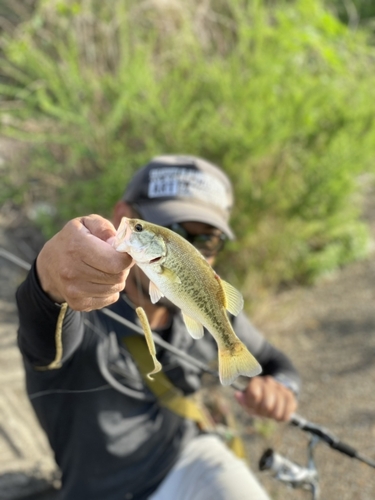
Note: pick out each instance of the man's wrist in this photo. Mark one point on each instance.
(45, 282)
(287, 382)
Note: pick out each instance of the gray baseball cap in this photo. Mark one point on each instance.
(173, 189)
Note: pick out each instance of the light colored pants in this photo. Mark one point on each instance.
(208, 470)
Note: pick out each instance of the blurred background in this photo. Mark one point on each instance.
(281, 94)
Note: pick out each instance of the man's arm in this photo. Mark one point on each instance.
(38, 324)
(77, 270)
(274, 393)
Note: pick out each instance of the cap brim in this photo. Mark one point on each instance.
(168, 212)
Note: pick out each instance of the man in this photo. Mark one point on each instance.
(112, 436)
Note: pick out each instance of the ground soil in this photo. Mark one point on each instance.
(328, 330)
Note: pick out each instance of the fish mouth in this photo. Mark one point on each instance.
(156, 259)
(121, 241)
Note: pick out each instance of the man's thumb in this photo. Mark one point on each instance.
(99, 227)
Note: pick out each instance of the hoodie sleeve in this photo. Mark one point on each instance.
(48, 333)
(273, 361)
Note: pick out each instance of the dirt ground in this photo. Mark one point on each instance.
(328, 330)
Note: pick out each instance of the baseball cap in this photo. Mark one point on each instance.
(177, 188)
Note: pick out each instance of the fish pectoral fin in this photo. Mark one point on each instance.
(155, 293)
(235, 362)
(233, 298)
(170, 275)
(193, 327)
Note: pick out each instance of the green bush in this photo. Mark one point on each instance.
(354, 12)
(280, 95)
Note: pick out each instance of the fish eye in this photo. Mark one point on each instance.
(138, 228)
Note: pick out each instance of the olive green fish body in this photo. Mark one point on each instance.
(179, 272)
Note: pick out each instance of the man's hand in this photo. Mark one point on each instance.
(80, 267)
(266, 397)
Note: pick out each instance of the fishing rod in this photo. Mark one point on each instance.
(16, 260)
(329, 438)
(162, 343)
(158, 340)
(296, 420)
(316, 431)
(306, 477)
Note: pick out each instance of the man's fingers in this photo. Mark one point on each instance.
(268, 404)
(98, 226)
(79, 267)
(266, 397)
(254, 392)
(90, 303)
(83, 289)
(86, 240)
(99, 277)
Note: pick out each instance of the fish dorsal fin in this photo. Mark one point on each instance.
(170, 275)
(193, 327)
(155, 293)
(233, 298)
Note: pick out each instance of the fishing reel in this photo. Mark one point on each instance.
(290, 472)
(307, 478)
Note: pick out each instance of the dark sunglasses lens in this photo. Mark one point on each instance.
(176, 228)
(208, 244)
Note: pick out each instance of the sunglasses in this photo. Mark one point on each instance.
(208, 244)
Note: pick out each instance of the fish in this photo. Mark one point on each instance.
(179, 272)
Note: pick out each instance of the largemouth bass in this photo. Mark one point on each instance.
(178, 271)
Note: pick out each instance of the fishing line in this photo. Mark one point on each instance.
(295, 420)
(157, 339)
(16, 260)
(107, 368)
(194, 363)
(114, 368)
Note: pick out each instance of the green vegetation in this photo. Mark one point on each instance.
(355, 12)
(280, 94)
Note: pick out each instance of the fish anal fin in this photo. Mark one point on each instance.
(233, 300)
(193, 327)
(155, 293)
(235, 362)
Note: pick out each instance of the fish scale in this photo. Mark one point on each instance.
(192, 289)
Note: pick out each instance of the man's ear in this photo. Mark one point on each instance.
(120, 210)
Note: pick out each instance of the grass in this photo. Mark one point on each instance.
(281, 95)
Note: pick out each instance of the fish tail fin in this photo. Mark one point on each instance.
(236, 361)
